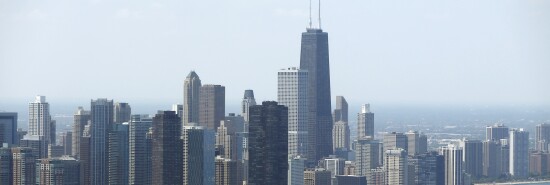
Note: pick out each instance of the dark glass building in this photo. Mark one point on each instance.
(211, 106)
(315, 58)
(102, 119)
(167, 149)
(268, 150)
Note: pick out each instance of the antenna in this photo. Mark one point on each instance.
(310, 22)
(319, 14)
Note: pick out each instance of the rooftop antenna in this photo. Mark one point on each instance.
(319, 14)
(310, 22)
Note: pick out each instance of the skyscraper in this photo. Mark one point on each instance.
(167, 145)
(8, 128)
(53, 129)
(248, 100)
(139, 149)
(519, 153)
(85, 156)
(118, 153)
(178, 108)
(341, 111)
(122, 112)
(473, 157)
(395, 140)
(491, 159)
(417, 143)
(496, 132)
(292, 93)
(101, 119)
(58, 171)
(426, 168)
(351, 180)
(314, 58)
(340, 136)
(396, 166)
(23, 166)
(268, 145)
(317, 176)
(40, 120)
(542, 136)
(226, 172)
(211, 106)
(453, 164)
(191, 94)
(367, 154)
(198, 155)
(6, 166)
(335, 165)
(296, 167)
(67, 142)
(81, 119)
(365, 122)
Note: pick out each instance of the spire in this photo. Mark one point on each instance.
(319, 14)
(311, 15)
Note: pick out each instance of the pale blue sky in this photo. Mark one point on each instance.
(482, 52)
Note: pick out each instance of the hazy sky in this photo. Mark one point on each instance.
(381, 51)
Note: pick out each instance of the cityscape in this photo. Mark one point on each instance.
(305, 135)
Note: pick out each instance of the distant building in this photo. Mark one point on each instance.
(248, 100)
(496, 132)
(341, 111)
(377, 177)
(211, 106)
(367, 154)
(417, 143)
(341, 136)
(36, 143)
(351, 180)
(139, 150)
(81, 119)
(396, 166)
(539, 163)
(23, 166)
(67, 143)
(317, 176)
(101, 119)
(542, 137)
(335, 165)
(198, 156)
(118, 153)
(178, 108)
(122, 112)
(268, 144)
(8, 128)
(85, 145)
(453, 164)
(40, 121)
(58, 171)
(492, 159)
(55, 151)
(519, 153)
(226, 172)
(365, 122)
(191, 94)
(473, 157)
(166, 144)
(296, 167)
(426, 169)
(6, 166)
(395, 140)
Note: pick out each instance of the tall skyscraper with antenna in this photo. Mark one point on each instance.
(315, 59)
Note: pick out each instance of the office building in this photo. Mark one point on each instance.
(101, 119)
(40, 121)
(6, 166)
(8, 128)
(317, 176)
(350, 180)
(122, 112)
(67, 142)
(226, 172)
(166, 143)
(496, 132)
(377, 177)
(453, 164)
(314, 57)
(178, 108)
(396, 140)
(365, 122)
(211, 106)
(341, 111)
(333, 164)
(396, 166)
(248, 100)
(519, 153)
(473, 157)
(341, 136)
(55, 151)
(367, 154)
(23, 166)
(542, 136)
(81, 119)
(198, 155)
(36, 143)
(268, 145)
(426, 169)
(296, 167)
(139, 150)
(492, 159)
(58, 171)
(417, 143)
(539, 163)
(191, 91)
(118, 153)
(293, 93)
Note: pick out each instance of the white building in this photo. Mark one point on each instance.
(396, 166)
(453, 164)
(40, 119)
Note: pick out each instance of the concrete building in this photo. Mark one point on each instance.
(542, 136)
(395, 140)
(211, 106)
(492, 159)
(453, 164)
(36, 143)
(496, 132)
(8, 128)
(191, 94)
(67, 142)
(377, 176)
(341, 136)
(396, 166)
(227, 172)
(139, 150)
(293, 93)
(248, 100)
(296, 167)
(365, 122)
(118, 153)
(268, 144)
(335, 165)
(317, 176)
(101, 119)
(6, 166)
(341, 111)
(539, 163)
(81, 119)
(23, 166)
(122, 112)
(367, 154)
(178, 108)
(426, 169)
(55, 151)
(40, 120)
(473, 157)
(166, 143)
(58, 171)
(417, 143)
(519, 153)
(85, 156)
(198, 156)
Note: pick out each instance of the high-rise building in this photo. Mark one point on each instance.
(122, 112)
(55, 151)
(81, 119)
(426, 169)
(492, 158)
(539, 163)
(40, 120)
(53, 129)
(367, 154)
(67, 142)
(340, 136)
(519, 153)
(227, 142)
(211, 106)
(8, 128)
(101, 119)
(6, 168)
(542, 136)
(198, 155)
(296, 167)
(191, 91)
(351, 180)
(453, 164)
(395, 140)
(365, 122)
(36, 143)
(139, 150)
(58, 171)
(505, 156)
(118, 153)
(167, 143)
(178, 108)
(85, 145)
(23, 166)
(396, 166)
(314, 58)
(473, 157)
(335, 165)
(248, 100)
(268, 144)
(226, 172)
(496, 132)
(417, 143)
(377, 177)
(341, 111)
(317, 176)
(293, 93)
